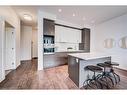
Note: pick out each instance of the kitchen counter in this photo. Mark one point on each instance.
(74, 51)
(89, 56)
(50, 53)
(78, 61)
(71, 51)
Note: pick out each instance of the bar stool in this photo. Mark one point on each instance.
(106, 75)
(116, 76)
(90, 82)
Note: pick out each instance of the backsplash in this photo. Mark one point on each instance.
(66, 47)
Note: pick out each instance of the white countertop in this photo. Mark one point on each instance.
(49, 53)
(67, 51)
(88, 56)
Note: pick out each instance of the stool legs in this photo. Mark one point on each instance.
(107, 79)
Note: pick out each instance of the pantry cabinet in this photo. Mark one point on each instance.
(49, 27)
(85, 40)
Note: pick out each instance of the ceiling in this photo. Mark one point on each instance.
(84, 15)
(30, 10)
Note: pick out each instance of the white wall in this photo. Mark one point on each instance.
(58, 21)
(26, 39)
(34, 43)
(14, 21)
(116, 29)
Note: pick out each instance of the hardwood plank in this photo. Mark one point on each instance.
(26, 76)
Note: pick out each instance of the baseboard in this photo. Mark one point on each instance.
(25, 60)
(120, 69)
(35, 58)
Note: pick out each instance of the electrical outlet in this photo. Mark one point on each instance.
(77, 60)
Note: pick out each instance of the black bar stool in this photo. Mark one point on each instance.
(106, 75)
(116, 76)
(90, 82)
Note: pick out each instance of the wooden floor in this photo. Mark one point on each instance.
(26, 76)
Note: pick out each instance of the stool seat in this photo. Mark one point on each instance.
(93, 68)
(111, 63)
(104, 65)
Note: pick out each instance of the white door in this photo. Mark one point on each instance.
(9, 64)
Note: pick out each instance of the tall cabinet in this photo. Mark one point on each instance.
(85, 40)
(49, 27)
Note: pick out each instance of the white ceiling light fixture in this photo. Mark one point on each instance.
(84, 18)
(92, 21)
(59, 10)
(73, 15)
(27, 17)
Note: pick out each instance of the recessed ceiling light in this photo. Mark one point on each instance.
(59, 10)
(73, 14)
(92, 21)
(84, 18)
(27, 17)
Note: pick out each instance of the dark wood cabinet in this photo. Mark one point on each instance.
(73, 69)
(53, 60)
(85, 41)
(49, 27)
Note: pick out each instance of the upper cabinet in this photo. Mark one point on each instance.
(49, 27)
(85, 35)
(68, 35)
(85, 40)
(78, 36)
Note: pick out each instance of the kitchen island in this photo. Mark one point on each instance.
(53, 59)
(78, 61)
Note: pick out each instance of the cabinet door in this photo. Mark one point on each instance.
(85, 35)
(57, 34)
(49, 27)
(78, 36)
(60, 34)
(65, 34)
(70, 35)
(86, 39)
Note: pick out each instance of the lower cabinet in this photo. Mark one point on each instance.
(73, 69)
(53, 60)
